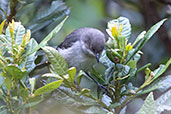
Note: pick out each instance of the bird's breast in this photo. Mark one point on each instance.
(75, 57)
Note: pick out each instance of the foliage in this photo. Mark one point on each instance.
(18, 92)
(17, 56)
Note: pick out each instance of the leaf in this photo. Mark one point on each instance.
(79, 76)
(29, 60)
(164, 99)
(149, 89)
(122, 42)
(140, 36)
(48, 37)
(126, 26)
(163, 108)
(2, 26)
(18, 33)
(144, 67)
(149, 106)
(165, 82)
(122, 70)
(32, 101)
(161, 69)
(32, 82)
(13, 72)
(160, 85)
(8, 83)
(132, 64)
(57, 61)
(52, 75)
(72, 73)
(105, 60)
(24, 93)
(115, 53)
(53, 13)
(147, 36)
(163, 102)
(82, 104)
(47, 88)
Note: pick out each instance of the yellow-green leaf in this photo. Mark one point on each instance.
(2, 26)
(49, 87)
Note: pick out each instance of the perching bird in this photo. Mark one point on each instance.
(81, 48)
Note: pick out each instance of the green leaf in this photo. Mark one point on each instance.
(57, 61)
(72, 72)
(115, 53)
(149, 106)
(48, 37)
(149, 89)
(147, 36)
(45, 18)
(8, 83)
(79, 76)
(49, 87)
(52, 75)
(32, 82)
(2, 26)
(140, 36)
(18, 33)
(144, 67)
(32, 101)
(24, 93)
(29, 60)
(132, 64)
(122, 42)
(122, 70)
(161, 69)
(13, 72)
(114, 105)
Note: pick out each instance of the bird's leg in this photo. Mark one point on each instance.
(103, 88)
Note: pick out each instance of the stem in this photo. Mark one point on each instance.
(13, 5)
(8, 102)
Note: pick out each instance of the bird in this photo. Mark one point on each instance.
(81, 49)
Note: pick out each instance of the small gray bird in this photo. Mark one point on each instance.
(82, 48)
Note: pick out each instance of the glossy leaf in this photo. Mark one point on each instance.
(57, 61)
(49, 87)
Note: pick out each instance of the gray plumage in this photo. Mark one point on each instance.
(82, 48)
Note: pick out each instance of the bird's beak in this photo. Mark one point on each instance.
(97, 57)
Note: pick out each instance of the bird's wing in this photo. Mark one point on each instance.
(69, 40)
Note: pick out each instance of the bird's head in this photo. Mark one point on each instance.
(93, 42)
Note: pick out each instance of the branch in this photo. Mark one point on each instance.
(13, 11)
